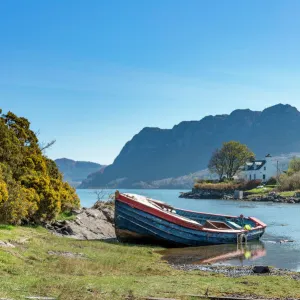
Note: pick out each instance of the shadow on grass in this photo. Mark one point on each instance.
(141, 244)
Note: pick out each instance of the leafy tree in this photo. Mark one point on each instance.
(294, 166)
(229, 159)
(31, 186)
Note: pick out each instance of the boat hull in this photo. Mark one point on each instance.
(134, 225)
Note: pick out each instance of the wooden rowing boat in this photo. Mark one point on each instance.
(142, 219)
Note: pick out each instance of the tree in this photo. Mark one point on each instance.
(216, 164)
(31, 186)
(46, 146)
(229, 159)
(236, 155)
(294, 166)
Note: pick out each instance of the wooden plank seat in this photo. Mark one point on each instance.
(216, 225)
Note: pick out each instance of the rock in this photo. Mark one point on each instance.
(66, 254)
(286, 241)
(76, 211)
(90, 223)
(261, 269)
(6, 245)
(208, 194)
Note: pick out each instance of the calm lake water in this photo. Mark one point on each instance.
(283, 222)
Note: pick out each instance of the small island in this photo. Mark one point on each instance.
(242, 177)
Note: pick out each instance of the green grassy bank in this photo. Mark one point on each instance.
(110, 271)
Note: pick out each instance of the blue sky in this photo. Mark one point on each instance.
(91, 74)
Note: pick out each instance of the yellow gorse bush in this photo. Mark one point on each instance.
(31, 186)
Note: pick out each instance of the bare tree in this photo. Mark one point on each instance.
(45, 146)
(216, 164)
(101, 194)
(104, 198)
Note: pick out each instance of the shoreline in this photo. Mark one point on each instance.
(248, 197)
(236, 271)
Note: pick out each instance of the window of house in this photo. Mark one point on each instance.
(250, 177)
(265, 168)
(264, 177)
(254, 176)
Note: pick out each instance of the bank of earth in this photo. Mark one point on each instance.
(257, 195)
(38, 262)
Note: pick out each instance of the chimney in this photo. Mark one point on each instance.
(268, 157)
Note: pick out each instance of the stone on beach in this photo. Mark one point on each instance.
(94, 223)
(261, 269)
(6, 244)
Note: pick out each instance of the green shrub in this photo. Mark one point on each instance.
(66, 215)
(6, 227)
(271, 181)
(294, 166)
(251, 184)
(289, 183)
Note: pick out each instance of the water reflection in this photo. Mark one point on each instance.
(215, 254)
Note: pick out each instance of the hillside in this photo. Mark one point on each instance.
(154, 154)
(76, 171)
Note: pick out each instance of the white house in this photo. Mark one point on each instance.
(259, 169)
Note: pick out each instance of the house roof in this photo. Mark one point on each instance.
(254, 165)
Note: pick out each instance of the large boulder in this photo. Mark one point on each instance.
(96, 223)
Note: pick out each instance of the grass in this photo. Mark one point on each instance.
(267, 189)
(65, 216)
(111, 271)
(220, 186)
(6, 227)
(260, 191)
(288, 193)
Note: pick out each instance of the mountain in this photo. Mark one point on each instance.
(76, 171)
(181, 182)
(154, 154)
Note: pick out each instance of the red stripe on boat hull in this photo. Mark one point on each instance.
(158, 213)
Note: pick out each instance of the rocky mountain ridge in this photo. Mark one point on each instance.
(155, 154)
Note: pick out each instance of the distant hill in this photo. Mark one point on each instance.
(186, 181)
(181, 182)
(156, 154)
(76, 171)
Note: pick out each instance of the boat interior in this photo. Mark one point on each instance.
(204, 220)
